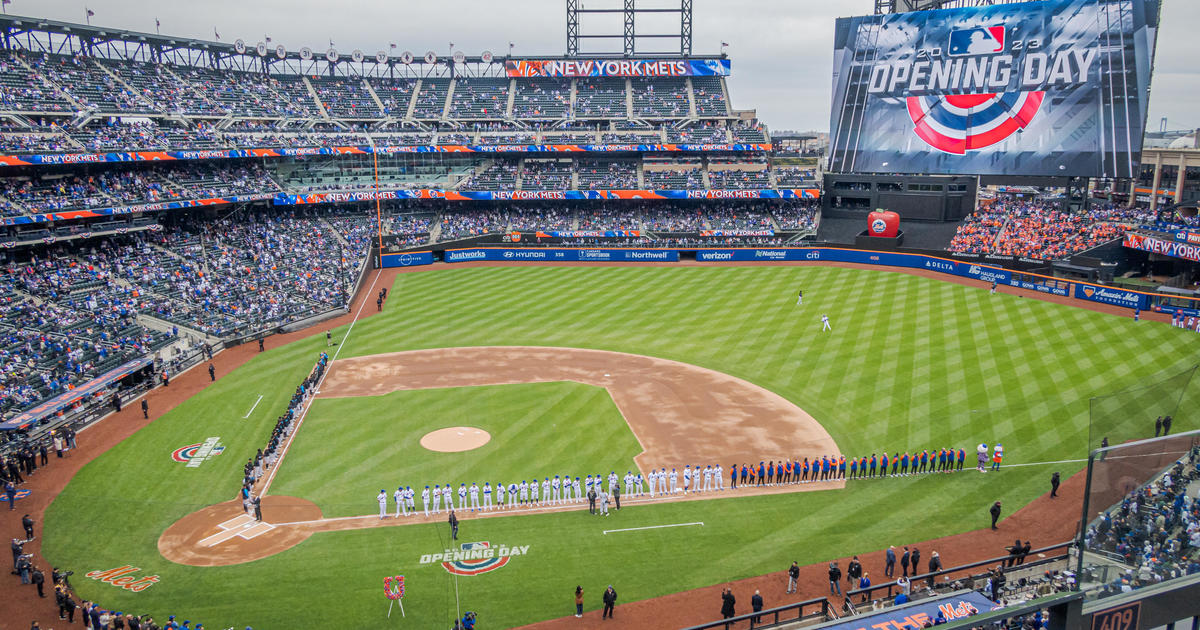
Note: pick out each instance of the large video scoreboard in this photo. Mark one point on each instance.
(1028, 88)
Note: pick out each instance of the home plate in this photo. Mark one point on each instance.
(243, 526)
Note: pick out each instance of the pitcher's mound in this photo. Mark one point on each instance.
(455, 439)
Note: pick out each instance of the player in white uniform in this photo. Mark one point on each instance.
(425, 500)
(557, 486)
(687, 480)
(708, 473)
(382, 504)
(447, 497)
(576, 486)
(487, 496)
(674, 481)
(524, 492)
(719, 477)
(462, 496)
(437, 498)
(399, 496)
(602, 501)
(410, 500)
(825, 323)
(512, 495)
(638, 488)
(628, 483)
(474, 496)
(546, 491)
(533, 492)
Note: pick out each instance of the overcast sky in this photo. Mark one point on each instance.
(781, 49)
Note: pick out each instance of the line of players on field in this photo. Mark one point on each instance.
(562, 490)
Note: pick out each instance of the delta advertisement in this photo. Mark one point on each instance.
(1154, 245)
(1056, 88)
(569, 68)
(167, 156)
(284, 199)
(982, 273)
(562, 255)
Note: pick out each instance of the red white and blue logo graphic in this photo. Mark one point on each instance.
(481, 560)
(984, 40)
(957, 123)
(195, 454)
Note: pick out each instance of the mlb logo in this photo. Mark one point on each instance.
(985, 40)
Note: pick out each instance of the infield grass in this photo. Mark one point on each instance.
(911, 363)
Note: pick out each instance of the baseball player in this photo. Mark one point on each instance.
(557, 486)
(533, 492)
(525, 492)
(410, 500)
(513, 488)
(487, 496)
(825, 323)
(437, 498)
(674, 481)
(576, 486)
(447, 497)
(628, 483)
(474, 496)
(718, 477)
(638, 488)
(425, 500)
(566, 488)
(462, 496)
(382, 504)
(546, 490)
(602, 500)
(662, 480)
(399, 496)
(708, 473)
(653, 479)
(587, 484)
(687, 479)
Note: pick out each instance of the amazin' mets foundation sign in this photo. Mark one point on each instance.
(475, 558)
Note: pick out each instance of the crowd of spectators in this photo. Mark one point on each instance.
(1040, 229)
(1154, 531)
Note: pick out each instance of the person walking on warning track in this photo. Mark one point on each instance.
(727, 602)
(995, 511)
(212, 373)
(1055, 479)
(825, 323)
(453, 525)
(610, 600)
(793, 574)
(835, 579)
(145, 410)
(578, 601)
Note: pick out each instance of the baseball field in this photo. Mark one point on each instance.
(587, 370)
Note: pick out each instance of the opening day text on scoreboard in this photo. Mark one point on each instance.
(1054, 88)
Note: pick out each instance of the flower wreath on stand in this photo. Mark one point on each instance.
(393, 587)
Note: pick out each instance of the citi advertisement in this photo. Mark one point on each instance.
(562, 255)
(1054, 88)
(407, 259)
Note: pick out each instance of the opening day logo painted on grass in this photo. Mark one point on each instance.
(475, 558)
(121, 577)
(195, 454)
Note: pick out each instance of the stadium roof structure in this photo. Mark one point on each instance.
(66, 38)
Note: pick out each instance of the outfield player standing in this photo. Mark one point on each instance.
(425, 500)
(576, 486)
(462, 496)
(474, 496)
(382, 504)
(447, 497)
(546, 490)
(800, 297)
(525, 492)
(556, 485)
(825, 323)
(674, 481)
(708, 478)
(687, 479)
(437, 498)
(487, 497)
(399, 496)
(410, 500)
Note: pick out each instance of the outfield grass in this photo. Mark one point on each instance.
(911, 363)
(537, 430)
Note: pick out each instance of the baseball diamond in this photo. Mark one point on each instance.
(589, 340)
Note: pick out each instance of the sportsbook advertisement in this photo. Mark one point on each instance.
(1054, 88)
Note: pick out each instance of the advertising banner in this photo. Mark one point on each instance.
(1155, 245)
(952, 607)
(284, 199)
(407, 259)
(1054, 88)
(213, 154)
(1107, 295)
(562, 255)
(141, 207)
(567, 68)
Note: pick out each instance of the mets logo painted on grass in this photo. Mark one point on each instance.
(475, 558)
(195, 454)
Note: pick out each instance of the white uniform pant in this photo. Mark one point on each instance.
(487, 500)
(474, 502)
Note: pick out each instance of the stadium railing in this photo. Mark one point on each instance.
(891, 588)
(812, 610)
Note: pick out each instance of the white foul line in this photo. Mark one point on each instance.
(253, 408)
(634, 529)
